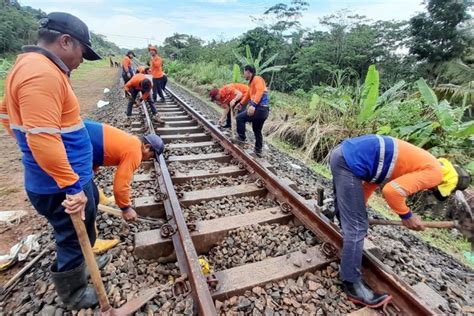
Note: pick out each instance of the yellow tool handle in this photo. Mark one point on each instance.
(90, 261)
(430, 224)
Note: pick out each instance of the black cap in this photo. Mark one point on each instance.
(130, 52)
(69, 24)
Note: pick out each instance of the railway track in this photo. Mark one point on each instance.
(208, 189)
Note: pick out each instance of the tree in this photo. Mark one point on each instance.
(435, 34)
(284, 17)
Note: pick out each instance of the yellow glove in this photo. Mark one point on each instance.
(103, 199)
(102, 245)
(205, 269)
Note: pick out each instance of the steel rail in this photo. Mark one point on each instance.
(375, 273)
(185, 252)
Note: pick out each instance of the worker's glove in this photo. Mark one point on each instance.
(413, 223)
(129, 214)
(128, 94)
(75, 203)
(221, 120)
(129, 75)
(232, 103)
(250, 110)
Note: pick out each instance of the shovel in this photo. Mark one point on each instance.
(105, 308)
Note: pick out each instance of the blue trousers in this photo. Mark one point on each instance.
(350, 209)
(134, 93)
(258, 119)
(69, 254)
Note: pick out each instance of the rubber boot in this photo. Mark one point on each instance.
(359, 293)
(73, 289)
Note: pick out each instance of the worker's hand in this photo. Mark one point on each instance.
(221, 120)
(129, 215)
(232, 103)
(413, 223)
(237, 107)
(250, 110)
(128, 94)
(75, 203)
(129, 75)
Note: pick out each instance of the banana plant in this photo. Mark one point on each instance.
(260, 67)
(236, 73)
(370, 94)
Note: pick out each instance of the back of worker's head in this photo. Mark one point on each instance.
(131, 54)
(455, 178)
(145, 85)
(213, 94)
(152, 146)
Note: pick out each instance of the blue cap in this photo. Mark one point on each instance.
(156, 142)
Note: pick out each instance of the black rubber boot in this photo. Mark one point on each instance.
(359, 293)
(73, 289)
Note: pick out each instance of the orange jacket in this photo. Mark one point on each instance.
(42, 111)
(127, 64)
(257, 92)
(114, 147)
(415, 170)
(134, 83)
(229, 92)
(157, 67)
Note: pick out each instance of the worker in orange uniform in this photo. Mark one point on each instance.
(127, 66)
(359, 166)
(156, 65)
(228, 96)
(114, 147)
(143, 70)
(257, 101)
(140, 83)
(42, 112)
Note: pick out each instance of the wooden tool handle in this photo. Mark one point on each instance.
(90, 261)
(431, 224)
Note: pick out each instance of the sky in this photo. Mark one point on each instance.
(135, 24)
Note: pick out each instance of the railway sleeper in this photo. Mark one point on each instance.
(237, 280)
(175, 118)
(231, 171)
(150, 244)
(180, 130)
(196, 197)
(219, 157)
(192, 137)
(192, 145)
(183, 123)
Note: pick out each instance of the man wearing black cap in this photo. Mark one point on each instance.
(127, 69)
(42, 112)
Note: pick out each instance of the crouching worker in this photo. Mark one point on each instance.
(228, 96)
(140, 83)
(114, 147)
(362, 164)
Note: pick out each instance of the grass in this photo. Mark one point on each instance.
(84, 70)
(2, 82)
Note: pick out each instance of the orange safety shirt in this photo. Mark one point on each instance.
(114, 147)
(135, 83)
(42, 112)
(410, 169)
(257, 93)
(157, 67)
(127, 64)
(229, 92)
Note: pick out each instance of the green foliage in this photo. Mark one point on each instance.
(369, 96)
(236, 73)
(435, 34)
(260, 67)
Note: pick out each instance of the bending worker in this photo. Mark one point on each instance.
(43, 113)
(257, 109)
(114, 147)
(359, 166)
(228, 96)
(140, 83)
